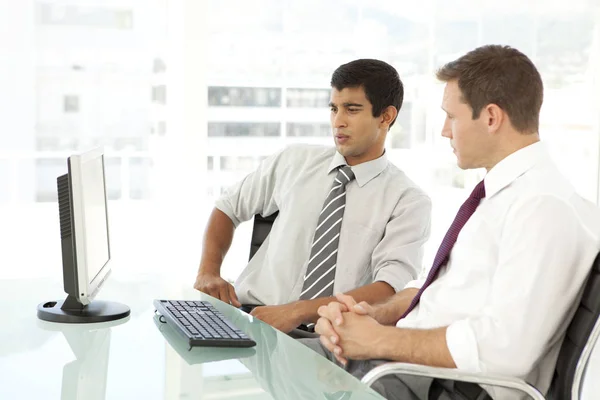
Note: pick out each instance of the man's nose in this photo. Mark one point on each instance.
(447, 130)
(339, 120)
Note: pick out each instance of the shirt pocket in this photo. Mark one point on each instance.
(355, 249)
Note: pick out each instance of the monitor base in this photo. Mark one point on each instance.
(96, 311)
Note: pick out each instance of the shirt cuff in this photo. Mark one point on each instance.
(415, 284)
(462, 344)
(394, 275)
(223, 205)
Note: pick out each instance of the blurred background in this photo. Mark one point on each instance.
(186, 97)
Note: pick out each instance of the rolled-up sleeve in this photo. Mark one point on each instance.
(415, 283)
(397, 258)
(541, 269)
(255, 194)
(462, 344)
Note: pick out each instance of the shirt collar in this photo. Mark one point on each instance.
(512, 167)
(364, 172)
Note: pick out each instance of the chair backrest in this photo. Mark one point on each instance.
(260, 231)
(580, 339)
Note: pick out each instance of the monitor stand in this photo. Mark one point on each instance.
(72, 311)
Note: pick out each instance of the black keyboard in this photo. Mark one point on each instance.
(202, 324)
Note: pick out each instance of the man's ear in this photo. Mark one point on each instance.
(388, 116)
(494, 117)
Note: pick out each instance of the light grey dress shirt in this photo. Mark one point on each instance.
(386, 223)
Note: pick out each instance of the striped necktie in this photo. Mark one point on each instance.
(320, 273)
(441, 258)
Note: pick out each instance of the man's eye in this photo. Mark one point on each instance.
(333, 109)
(353, 110)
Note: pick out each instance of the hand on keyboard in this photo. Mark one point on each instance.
(217, 287)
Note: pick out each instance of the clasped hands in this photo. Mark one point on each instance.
(348, 329)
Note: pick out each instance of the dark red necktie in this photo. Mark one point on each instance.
(441, 258)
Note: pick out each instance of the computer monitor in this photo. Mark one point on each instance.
(85, 244)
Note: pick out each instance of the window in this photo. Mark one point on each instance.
(244, 96)
(71, 104)
(228, 163)
(113, 169)
(57, 14)
(57, 143)
(47, 143)
(139, 179)
(159, 94)
(315, 98)
(123, 143)
(160, 128)
(244, 129)
(159, 65)
(237, 164)
(46, 172)
(308, 129)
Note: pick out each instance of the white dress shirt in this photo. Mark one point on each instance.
(385, 225)
(515, 273)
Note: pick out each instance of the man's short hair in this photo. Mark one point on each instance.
(379, 80)
(500, 75)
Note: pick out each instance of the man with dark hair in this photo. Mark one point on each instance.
(506, 278)
(349, 220)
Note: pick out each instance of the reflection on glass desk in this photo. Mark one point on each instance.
(199, 355)
(143, 358)
(85, 377)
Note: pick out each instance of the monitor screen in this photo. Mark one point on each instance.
(88, 214)
(97, 251)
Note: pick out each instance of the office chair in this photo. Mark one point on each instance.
(580, 339)
(260, 231)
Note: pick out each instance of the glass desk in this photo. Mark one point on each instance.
(142, 358)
